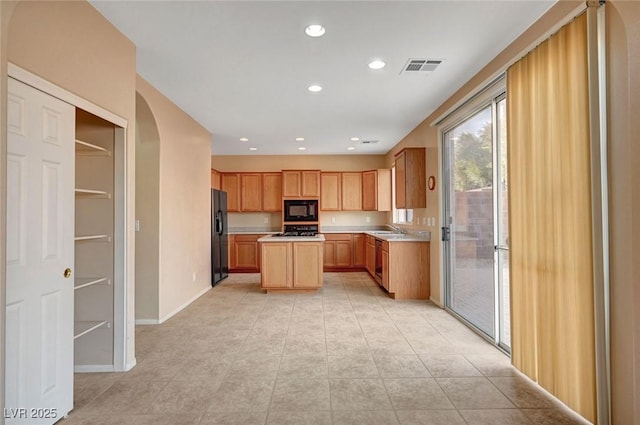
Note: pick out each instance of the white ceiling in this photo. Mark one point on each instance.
(241, 69)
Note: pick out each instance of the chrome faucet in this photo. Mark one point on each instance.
(397, 229)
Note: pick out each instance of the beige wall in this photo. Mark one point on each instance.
(147, 213)
(291, 162)
(71, 45)
(185, 203)
(623, 34)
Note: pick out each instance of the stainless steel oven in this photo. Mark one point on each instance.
(379, 261)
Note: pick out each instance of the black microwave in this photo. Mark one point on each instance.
(300, 210)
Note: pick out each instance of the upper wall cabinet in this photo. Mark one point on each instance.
(251, 192)
(411, 191)
(376, 190)
(230, 183)
(215, 179)
(301, 184)
(330, 191)
(271, 192)
(352, 191)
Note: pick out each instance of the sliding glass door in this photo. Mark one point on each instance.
(475, 214)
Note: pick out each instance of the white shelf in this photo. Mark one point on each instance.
(83, 328)
(86, 148)
(89, 281)
(90, 193)
(92, 238)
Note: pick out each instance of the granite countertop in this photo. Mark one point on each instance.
(260, 230)
(350, 229)
(401, 237)
(271, 238)
(237, 232)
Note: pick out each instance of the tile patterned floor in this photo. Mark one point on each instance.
(346, 355)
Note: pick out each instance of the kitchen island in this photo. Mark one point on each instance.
(291, 263)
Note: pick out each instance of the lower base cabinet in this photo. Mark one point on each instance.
(244, 256)
(405, 270)
(291, 266)
(370, 255)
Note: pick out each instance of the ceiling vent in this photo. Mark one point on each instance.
(420, 66)
(369, 142)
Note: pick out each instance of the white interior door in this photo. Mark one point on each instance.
(40, 247)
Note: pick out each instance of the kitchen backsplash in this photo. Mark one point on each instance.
(341, 219)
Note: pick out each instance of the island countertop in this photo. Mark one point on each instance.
(272, 238)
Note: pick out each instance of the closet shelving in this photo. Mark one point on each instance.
(90, 281)
(94, 231)
(84, 327)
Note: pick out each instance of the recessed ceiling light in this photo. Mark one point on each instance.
(377, 64)
(350, 148)
(314, 30)
(299, 139)
(253, 149)
(314, 88)
(244, 139)
(355, 139)
(302, 148)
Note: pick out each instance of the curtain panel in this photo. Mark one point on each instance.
(552, 299)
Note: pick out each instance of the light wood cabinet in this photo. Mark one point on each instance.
(310, 183)
(385, 269)
(376, 190)
(405, 269)
(359, 250)
(370, 252)
(230, 183)
(411, 190)
(338, 249)
(301, 184)
(330, 191)
(291, 265)
(271, 192)
(215, 179)
(352, 191)
(307, 265)
(250, 192)
(276, 271)
(244, 255)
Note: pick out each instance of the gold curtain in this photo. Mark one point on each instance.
(550, 218)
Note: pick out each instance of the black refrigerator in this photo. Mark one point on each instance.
(219, 239)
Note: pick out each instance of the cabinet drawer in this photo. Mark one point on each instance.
(246, 238)
(337, 236)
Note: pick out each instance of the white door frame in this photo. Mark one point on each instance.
(121, 236)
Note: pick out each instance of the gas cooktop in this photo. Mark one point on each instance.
(299, 230)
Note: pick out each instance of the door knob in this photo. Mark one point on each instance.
(67, 273)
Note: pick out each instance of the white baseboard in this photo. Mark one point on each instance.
(130, 365)
(436, 302)
(93, 368)
(147, 322)
(183, 306)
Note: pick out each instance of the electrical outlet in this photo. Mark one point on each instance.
(333, 220)
(367, 219)
(266, 220)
